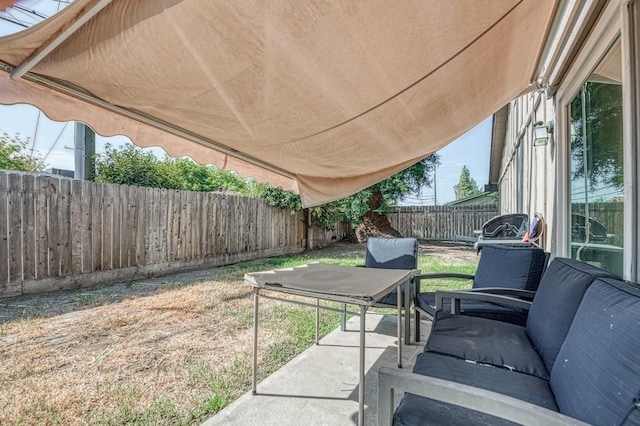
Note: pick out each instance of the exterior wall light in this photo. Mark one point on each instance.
(541, 133)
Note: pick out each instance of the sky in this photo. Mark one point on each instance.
(53, 140)
(472, 150)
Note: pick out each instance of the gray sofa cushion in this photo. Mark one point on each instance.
(556, 302)
(598, 369)
(486, 341)
(415, 410)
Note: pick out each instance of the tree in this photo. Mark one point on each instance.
(466, 186)
(601, 139)
(198, 177)
(14, 155)
(130, 165)
(366, 210)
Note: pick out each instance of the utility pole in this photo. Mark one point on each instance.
(435, 186)
(84, 150)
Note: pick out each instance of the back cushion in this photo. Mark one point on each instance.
(392, 253)
(598, 369)
(511, 267)
(556, 302)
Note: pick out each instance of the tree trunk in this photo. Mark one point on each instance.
(373, 224)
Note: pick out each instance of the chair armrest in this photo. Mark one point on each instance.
(513, 292)
(492, 403)
(457, 295)
(444, 275)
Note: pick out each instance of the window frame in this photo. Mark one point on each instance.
(617, 20)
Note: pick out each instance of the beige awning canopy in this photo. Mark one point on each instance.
(324, 98)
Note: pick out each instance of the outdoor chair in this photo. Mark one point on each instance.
(505, 270)
(393, 253)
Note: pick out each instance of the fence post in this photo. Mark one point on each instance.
(453, 224)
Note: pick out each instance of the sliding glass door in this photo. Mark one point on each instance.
(596, 167)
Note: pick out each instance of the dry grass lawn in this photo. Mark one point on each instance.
(174, 356)
(124, 356)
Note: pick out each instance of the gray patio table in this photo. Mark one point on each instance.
(344, 284)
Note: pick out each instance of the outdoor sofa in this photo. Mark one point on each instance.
(576, 361)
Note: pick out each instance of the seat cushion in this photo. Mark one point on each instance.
(556, 302)
(416, 410)
(427, 302)
(510, 267)
(597, 373)
(485, 341)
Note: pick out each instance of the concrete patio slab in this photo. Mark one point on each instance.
(320, 386)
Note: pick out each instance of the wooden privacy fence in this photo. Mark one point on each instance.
(441, 222)
(58, 233)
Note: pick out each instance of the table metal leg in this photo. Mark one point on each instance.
(399, 299)
(317, 321)
(255, 341)
(407, 314)
(361, 386)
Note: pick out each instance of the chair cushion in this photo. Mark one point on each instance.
(486, 341)
(556, 302)
(475, 308)
(510, 267)
(598, 369)
(392, 253)
(416, 410)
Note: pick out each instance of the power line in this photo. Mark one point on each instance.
(35, 133)
(56, 141)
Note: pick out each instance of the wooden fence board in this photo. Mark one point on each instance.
(64, 221)
(76, 227)
(53, 214)
(4, 236)
(14, 204)
(42, 227)
(164, 221)
(132, 225)
(141, 224)
(97, 213)
(87, 227)
(29, 224)
(116, 230)
(152, 226)
(203, 223)
(107, 227)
